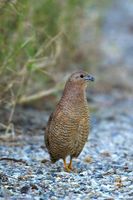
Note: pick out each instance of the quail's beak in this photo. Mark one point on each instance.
(89, 78)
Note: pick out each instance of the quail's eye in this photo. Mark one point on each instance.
(81, 76)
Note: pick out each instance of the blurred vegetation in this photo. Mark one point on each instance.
(37, 41)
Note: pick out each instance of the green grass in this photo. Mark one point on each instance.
(36, 38)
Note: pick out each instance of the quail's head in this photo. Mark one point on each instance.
(80, 78)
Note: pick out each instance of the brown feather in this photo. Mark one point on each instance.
(68, 126)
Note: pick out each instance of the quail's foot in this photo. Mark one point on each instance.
(70, 165)
(66, 167)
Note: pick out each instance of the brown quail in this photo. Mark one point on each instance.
(68, 126)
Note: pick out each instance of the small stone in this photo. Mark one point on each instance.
(88, 159)
(34, 187)
(98, 176)
(118, 182)
(3, 177)
(39, 171)
(105, 154)
(25, 189)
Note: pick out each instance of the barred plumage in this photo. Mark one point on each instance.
(68, 126)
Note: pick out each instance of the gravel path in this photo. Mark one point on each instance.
(104, 168)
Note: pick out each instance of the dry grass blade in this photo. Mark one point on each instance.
(39, 95)
(9, 129)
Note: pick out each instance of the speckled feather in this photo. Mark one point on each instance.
(68, 126)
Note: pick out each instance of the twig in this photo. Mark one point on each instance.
(49, 43)
(3, 126)
(9, 127)
(53, 39)
(13, 159)
(39, 95)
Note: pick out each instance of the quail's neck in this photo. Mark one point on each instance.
(74, 94)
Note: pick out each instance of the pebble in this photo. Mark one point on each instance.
(108, 176)
(25, 189)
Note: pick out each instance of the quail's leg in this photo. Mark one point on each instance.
(70, 164)
(66, 168)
